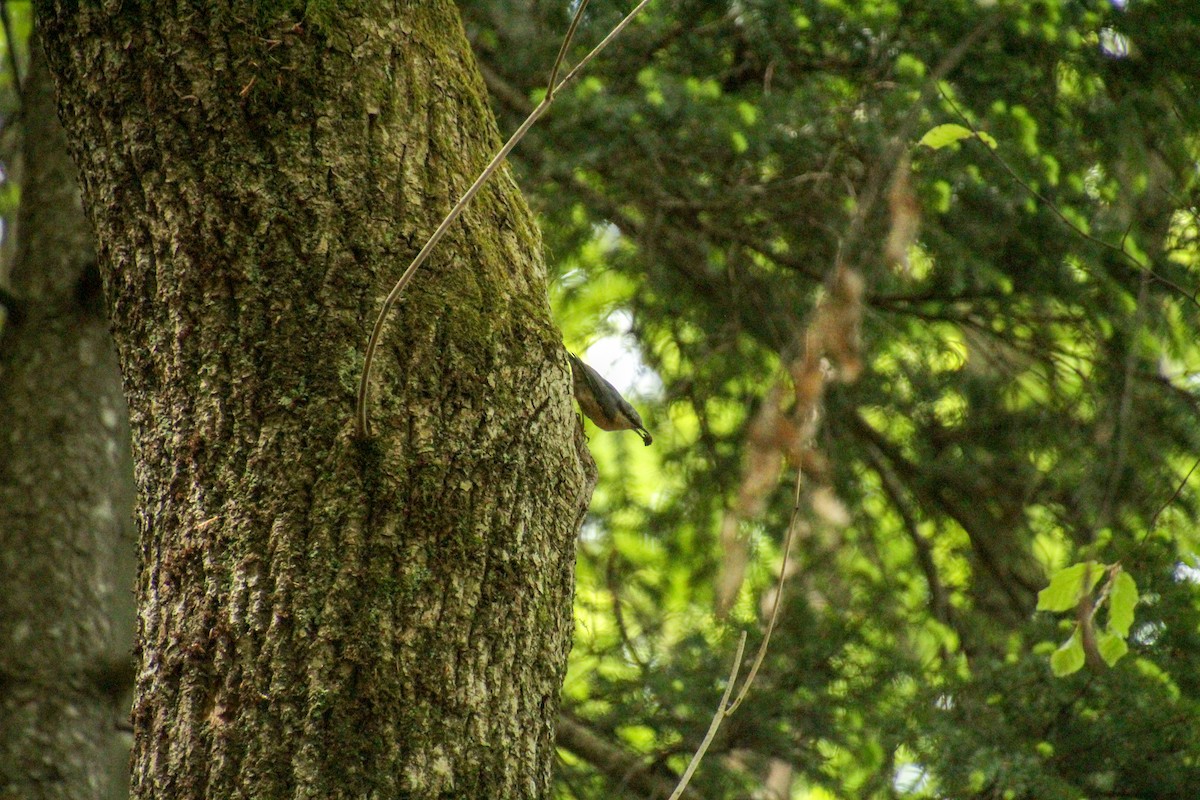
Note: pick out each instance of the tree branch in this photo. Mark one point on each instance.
(616, 763)
(1118, 249)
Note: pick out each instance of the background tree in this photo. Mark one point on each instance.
(322, 616)
(66, 488)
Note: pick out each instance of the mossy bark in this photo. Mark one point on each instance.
(66, 496)
(321, 616)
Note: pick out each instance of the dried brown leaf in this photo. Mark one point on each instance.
(905, 214)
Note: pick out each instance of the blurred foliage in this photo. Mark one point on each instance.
(17, 22)
(1029, 399)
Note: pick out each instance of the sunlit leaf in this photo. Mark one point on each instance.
(938, 137)
(942, 135)
(1068, 585)
(1121, 601)
(1111, 647)
(987, 139)
(1069, 657)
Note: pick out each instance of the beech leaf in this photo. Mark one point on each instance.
(1121, 600)
(1111, 647)
(1069, 657)
(1067, 586)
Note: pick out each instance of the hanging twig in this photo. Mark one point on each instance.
(778, 602)
(562, 51)
(1178, 491)
(726, 708)
(614, 589)
(1118, 249)
(723, 711)
(361, 413)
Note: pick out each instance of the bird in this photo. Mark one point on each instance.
(602, 403)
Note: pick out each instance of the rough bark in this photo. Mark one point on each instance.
(321, 616)
(66, 496)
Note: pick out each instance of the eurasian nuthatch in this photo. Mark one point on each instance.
(602, 403)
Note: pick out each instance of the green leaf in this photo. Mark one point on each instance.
(1069, 657)
(1067, 586)
(987, 139)
(942, 135)
(1111, 647)
(1121, 600)
(938, 137)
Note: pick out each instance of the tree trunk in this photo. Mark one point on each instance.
(321, 616)
(66, 496)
